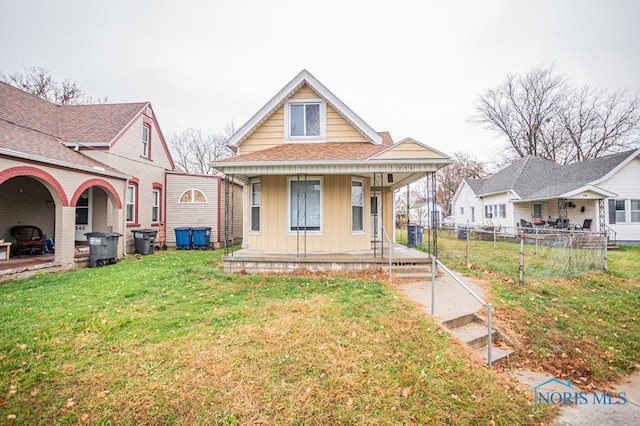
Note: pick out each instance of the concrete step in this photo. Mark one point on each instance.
(424, 275)
(460, 321)
(473, 334)
(472, 331)
(498, 355)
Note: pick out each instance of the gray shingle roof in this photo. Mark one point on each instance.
(535, 178)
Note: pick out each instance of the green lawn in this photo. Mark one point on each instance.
(171, 339)
(586, 328)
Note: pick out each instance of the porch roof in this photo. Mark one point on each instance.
(330, 158)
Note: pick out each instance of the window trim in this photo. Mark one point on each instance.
(134, 220)
(289, 198)
(252, 205)
(156, 206)
(624, 210)
(146, 144)
(632, 211)
(322, 137)
(362, 213)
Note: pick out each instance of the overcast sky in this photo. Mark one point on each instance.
(413, 68)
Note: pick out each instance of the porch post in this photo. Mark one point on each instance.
(65, 234)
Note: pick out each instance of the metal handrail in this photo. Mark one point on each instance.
(611, 234)
(434, 263)
(384, 231)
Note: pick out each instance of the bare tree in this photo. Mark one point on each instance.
(598, 122)
(193, 152)
(449, 178)
(540, 114)
(38, 81)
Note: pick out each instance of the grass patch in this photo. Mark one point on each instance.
(585, 328)
(171, 339)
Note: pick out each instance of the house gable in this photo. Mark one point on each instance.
(409, 149)
(270, 126)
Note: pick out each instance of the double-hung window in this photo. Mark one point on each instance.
(357, 206)
(621, 213)
(635, 211)
(146, 132)
(255, 206)
(131, 203)
(155, 205)
(305, 205)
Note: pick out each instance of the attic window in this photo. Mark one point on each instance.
(305, 120)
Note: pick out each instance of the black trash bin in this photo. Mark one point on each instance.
(463, 232)
(144, 240)
(103, 248)
(201, 238)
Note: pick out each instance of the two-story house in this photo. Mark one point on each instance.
(318, 178)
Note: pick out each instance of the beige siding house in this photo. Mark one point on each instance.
(318, 179)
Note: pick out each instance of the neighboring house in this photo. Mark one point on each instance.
(318, 178)
(75, 169)
(198, 201)
(604, 191)
(426, 214)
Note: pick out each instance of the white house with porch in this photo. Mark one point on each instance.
(601, 195)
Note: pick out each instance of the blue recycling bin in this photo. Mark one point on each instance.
(415, 235)
(183, 238)
(201, 238)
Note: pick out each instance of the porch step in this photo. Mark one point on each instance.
(472, 331)
(409, 272)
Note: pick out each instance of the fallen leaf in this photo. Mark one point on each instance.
(454, 396)
(22, 346)
(84, 417)
(70, 403)
(2, 402)
(35, 391)
(406, 392)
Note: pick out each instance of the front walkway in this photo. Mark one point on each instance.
(451, 301)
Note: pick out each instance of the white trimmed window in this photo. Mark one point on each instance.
(621, 213)
(146, 131)
(193, 196)
(635, 211)
(131, 203)
(357, 206)
(155, 205)
(306, 119)
(305, 205)
(255, 206)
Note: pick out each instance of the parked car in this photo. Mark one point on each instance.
(448, 221)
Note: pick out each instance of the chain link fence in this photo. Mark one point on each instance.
(523, 254)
